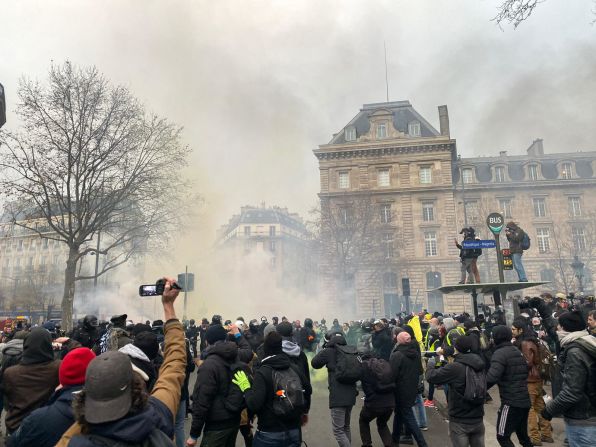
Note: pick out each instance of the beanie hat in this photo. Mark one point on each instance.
(268, 329)
(403, 338)
(215, 333)
(501, 333)
(147, 342)
(464, 344)
(140, 327)
(74, 366)
(285, 329)
(572, 321)
(272, 344)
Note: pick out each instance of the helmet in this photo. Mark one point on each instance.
(90, 321)
(367, 326)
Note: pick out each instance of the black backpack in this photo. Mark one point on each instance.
(525, 242)
(380, 370)
(475, 391)
(11, 355)
(288, 392)
(348, 365)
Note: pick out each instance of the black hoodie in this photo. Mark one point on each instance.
(37, 347)
(454, 374)
(406, 366)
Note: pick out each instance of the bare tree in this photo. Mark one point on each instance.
(515, 11)
(90, 161)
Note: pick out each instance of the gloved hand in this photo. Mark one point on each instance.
(546, 415)
(241, 380)
(432, 363)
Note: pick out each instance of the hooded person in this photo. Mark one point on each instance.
(292, 350)
(142, 352)
(254, 335)
(28, 385)
(308, 336)
(466, 425)
(87, 333)
(45, 426)
(577, 399)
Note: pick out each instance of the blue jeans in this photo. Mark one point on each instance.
(420, 412)
(518, 266)
(179, 425)
(406, 416)
(290, 438)
(580, 435)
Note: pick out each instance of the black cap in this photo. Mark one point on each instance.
(572, 321)
(215, 333)
(108, 388)
(285, 329)
(119, 318)
(147, 342)
(464, 344)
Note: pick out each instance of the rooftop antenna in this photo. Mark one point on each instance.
(386, 78)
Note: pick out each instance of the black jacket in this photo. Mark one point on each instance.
(216, 402)
(46, 425)
(454, 374)
(340, 394)
(259, 398)
(254, 338)
(382, 343)
(373, 398)
(297, 357)
(577, 399)
(307, 338)
(509, 369)
(406, 366)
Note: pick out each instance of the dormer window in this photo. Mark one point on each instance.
(381, 131)
(533, 172)
(566, 171)
(499, 174)
(414, 129)
(350, 133)
(467, 175)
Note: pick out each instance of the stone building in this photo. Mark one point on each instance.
(392, 202)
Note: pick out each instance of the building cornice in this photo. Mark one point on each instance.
(425, 145)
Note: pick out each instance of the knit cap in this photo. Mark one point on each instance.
(464, 344)
(285, 329)
(74, 366)
(147, 342)
(572, 321)
(215, 333)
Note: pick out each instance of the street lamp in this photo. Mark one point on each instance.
(578, 270)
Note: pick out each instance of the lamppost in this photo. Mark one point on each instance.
(578, 270)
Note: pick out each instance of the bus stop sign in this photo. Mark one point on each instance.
(495, 222)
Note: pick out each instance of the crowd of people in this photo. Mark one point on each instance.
(127, 384)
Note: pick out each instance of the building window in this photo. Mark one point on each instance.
(579, 238)
(533, 172)
(499, 174)
(381, 131)
(547, 275)
(539, 207)
(471, 209)
(543, 239)
(426, 175)
(430, 243)
(344, 215)
(343, 180)
(566, 171)
(575, 207)
(45, 244)
(387, 245)
(383, 177)
(350, 133)
(247, 231)
(385, 213)
(467, 175)
(390, 280)
(272, 246)
(428, 211)
(414, 129)
(20, 245)
(505, 207)
(272, 230)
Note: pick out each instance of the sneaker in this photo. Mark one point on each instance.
(406, 440)
(425, 428)
(428, 403)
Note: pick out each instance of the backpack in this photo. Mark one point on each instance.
(380, 370)
(288, 392)
(475, 391)
(11, 355)
(547, 361)
(348, 365)
(525, 242)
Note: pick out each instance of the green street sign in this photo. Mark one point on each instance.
(495, 222)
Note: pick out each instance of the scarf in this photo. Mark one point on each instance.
(567, 337)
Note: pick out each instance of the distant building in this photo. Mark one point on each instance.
(392, 203)
(274, 234)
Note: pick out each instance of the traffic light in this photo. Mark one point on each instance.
(2, 106)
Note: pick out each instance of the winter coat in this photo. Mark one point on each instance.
(509, 369)
(307, 338)
(254, 338)
(139, 359)
(88, 337)
(28, 385)
(216, 402)
(406, 366)
(373, 398)
(162, 405)
(454, 375)
(577, 399)
(382, 343)
(297, 357)
(515, 239)
(46, 425)
(340, 394)
(259, 398)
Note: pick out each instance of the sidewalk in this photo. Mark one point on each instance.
(490, 419)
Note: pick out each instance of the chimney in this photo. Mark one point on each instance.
(444, 120)
(536, 149)
(502, 153)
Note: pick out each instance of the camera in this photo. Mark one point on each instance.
(156, 289)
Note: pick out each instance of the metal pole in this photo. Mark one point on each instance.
(499, 259)
(185, 291)
(97, 259)
(475, 302)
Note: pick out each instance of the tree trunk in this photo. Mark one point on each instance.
(69, 289)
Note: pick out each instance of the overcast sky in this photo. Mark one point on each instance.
(259, 84)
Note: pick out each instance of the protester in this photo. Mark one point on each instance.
(468, 258)
(577, 399)
(508, 369)
(515, 235)
(116, 336)
(381, 340)
(29, 384)
(114, 405)
(308, 336)
(292, 350)
(192, 333)
(87, 334)
(45, 426)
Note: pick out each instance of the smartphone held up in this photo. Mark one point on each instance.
(156, 289)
